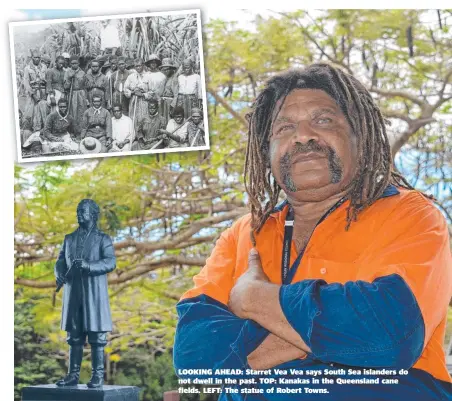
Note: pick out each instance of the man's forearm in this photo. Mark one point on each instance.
(272, 352)
(175, 138)
(264, 308)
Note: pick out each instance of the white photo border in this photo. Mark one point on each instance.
(21, 159)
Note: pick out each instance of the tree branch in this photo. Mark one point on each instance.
(226, 105)
(412, 129)
(139, 270)
(399, 93)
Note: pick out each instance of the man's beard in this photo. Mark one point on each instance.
(285, 164)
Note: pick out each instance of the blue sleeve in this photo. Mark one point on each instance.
(376, 324)
(209, 336)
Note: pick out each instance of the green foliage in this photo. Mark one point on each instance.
(34, 360)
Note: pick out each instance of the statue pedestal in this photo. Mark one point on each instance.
(50, 392)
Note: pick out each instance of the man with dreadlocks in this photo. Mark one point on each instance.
(350, 276)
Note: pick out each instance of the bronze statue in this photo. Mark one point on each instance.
(87, 255)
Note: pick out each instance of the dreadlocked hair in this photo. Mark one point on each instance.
(375, 170)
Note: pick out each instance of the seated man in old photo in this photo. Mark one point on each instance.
(59, 129)
(348, 279)
(57, 134)
(175, 134)
(148, 130)
(97, 123)
(123, 132)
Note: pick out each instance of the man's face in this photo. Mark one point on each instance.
(59, 64)
(74, 64)
(139, 67)
(97, 102)
(153, 109)
(67, 62)
(153, 65)
(114, 65)
(95, 67)
(117, 112)
(84, 217)
(36, 60)
(122, 66)
(63, 108)
(179, 118)
(168, 71)
(186, 67)
(196, 118)
(312, 149)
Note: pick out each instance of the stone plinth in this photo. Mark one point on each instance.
(50, 392)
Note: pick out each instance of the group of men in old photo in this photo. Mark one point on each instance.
(114, 104)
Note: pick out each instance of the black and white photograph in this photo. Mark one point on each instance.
(109, 86)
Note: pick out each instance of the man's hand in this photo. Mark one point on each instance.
(60, 280)
(272, 352)
(120, 145)
(255, 297)
(241, 293)
(54, 138)
(82, 265)
(108, 141)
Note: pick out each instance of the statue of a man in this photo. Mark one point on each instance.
(85, 259)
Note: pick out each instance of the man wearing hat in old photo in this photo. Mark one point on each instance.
(118, 79)
(136, 88)
(110, 67)
(67, 61)
(156, 78)
(97, 124)
(35, 109)
(74, 86)
(45, 59)
(55, 83)
(97, 84)
(170, 89)
(130, 64)
(195, 129)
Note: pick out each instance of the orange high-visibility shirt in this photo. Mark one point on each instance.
(401, 234)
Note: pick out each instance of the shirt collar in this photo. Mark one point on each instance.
(390, 190)
(63, 118)
(97, 111)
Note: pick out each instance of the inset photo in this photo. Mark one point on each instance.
(109, 86)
